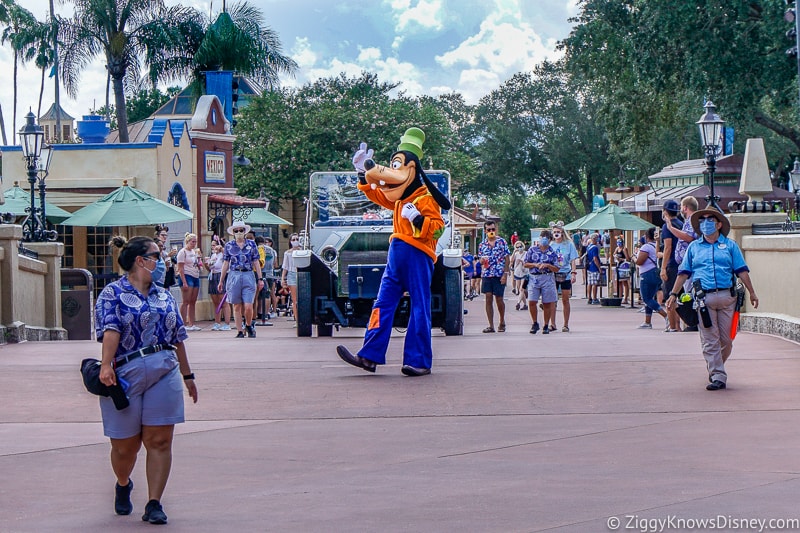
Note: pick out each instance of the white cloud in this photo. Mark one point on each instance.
(368, 55)
(369, 59)
(503, 45)
(426, 16)
(476, 83)
(302, 53)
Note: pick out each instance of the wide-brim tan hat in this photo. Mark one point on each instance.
(238, 224)
(726, 224)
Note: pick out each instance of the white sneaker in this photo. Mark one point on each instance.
(216, 327)
(225, 327)
(194, 328)
(645, 325)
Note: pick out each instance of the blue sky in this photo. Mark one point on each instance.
(430, 46)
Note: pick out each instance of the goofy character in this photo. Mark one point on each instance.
(416, 203)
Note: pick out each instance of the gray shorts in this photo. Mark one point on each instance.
(291, 279)
(155, 394)
(241, 287)
(543, 285)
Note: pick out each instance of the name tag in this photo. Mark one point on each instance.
(722, 246)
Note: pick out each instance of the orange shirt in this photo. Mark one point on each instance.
(425, 238)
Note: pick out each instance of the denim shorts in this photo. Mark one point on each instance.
(155, 392)
(241, 287)
(492, 285)
(543, 285)
(291, 279)
(191, 281)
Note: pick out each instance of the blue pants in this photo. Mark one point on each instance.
(648, 287)
(407, 269)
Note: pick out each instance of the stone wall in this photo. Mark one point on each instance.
(774, 262)
(30, 289)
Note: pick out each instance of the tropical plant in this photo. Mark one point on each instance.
(131, 34)
(240, 41)
(5, 5)
(20, 32)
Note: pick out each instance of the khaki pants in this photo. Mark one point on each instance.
(716, 340)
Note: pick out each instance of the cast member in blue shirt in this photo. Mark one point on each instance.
(714, 260)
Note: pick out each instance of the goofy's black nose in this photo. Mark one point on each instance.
(369, 164)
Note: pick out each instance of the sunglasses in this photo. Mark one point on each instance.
(238, 231)
(708, 217)
(152, 256)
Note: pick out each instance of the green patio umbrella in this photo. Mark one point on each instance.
(261, 217)
(575, 224)
(17, 199)
(127, 206)
(610, 217)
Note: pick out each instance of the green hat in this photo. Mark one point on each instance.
(412, 141)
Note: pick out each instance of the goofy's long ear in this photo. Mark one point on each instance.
(440, 198)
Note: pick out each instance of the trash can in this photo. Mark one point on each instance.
(77, 305)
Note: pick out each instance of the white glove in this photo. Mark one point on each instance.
(410, 212)
(362, 155)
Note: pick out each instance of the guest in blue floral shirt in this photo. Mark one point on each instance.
(142, 334)
(493, 255)
(542, 261)
(240, 259)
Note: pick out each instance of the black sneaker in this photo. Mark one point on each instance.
(122, 499)
(535, 328)
(251, 331)
(154, 513)
(716, 385)
(546, 330)
(240, 335)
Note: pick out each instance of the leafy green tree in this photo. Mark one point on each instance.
(538, 134)
(127, 33)
(290, 133)
(515, 215)
(141, 105)
(652, 63)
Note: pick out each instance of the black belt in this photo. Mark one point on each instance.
(540, 273)
(242, 269)
(147, 350)
(718, 289)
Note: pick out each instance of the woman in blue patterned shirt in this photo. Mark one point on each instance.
(142, 334)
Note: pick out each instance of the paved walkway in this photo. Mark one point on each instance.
(512, 432)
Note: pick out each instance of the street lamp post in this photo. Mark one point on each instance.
(37, 163)
(795, 176)
(711, 138)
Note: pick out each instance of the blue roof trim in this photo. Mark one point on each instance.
(89, 146)
(176, 127)
(157, 130)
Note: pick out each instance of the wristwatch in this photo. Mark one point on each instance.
(675, 294)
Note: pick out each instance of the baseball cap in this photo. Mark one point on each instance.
(672, 206)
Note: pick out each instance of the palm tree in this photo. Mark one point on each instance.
(240, 41)
(130, 33)
(4, 19)
(20, 32)
(54, 22)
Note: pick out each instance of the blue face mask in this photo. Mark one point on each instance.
(708, 226)
(158, 273)
(544, 241)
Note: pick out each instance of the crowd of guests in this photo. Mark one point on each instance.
(270, 292)
(687, 269)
